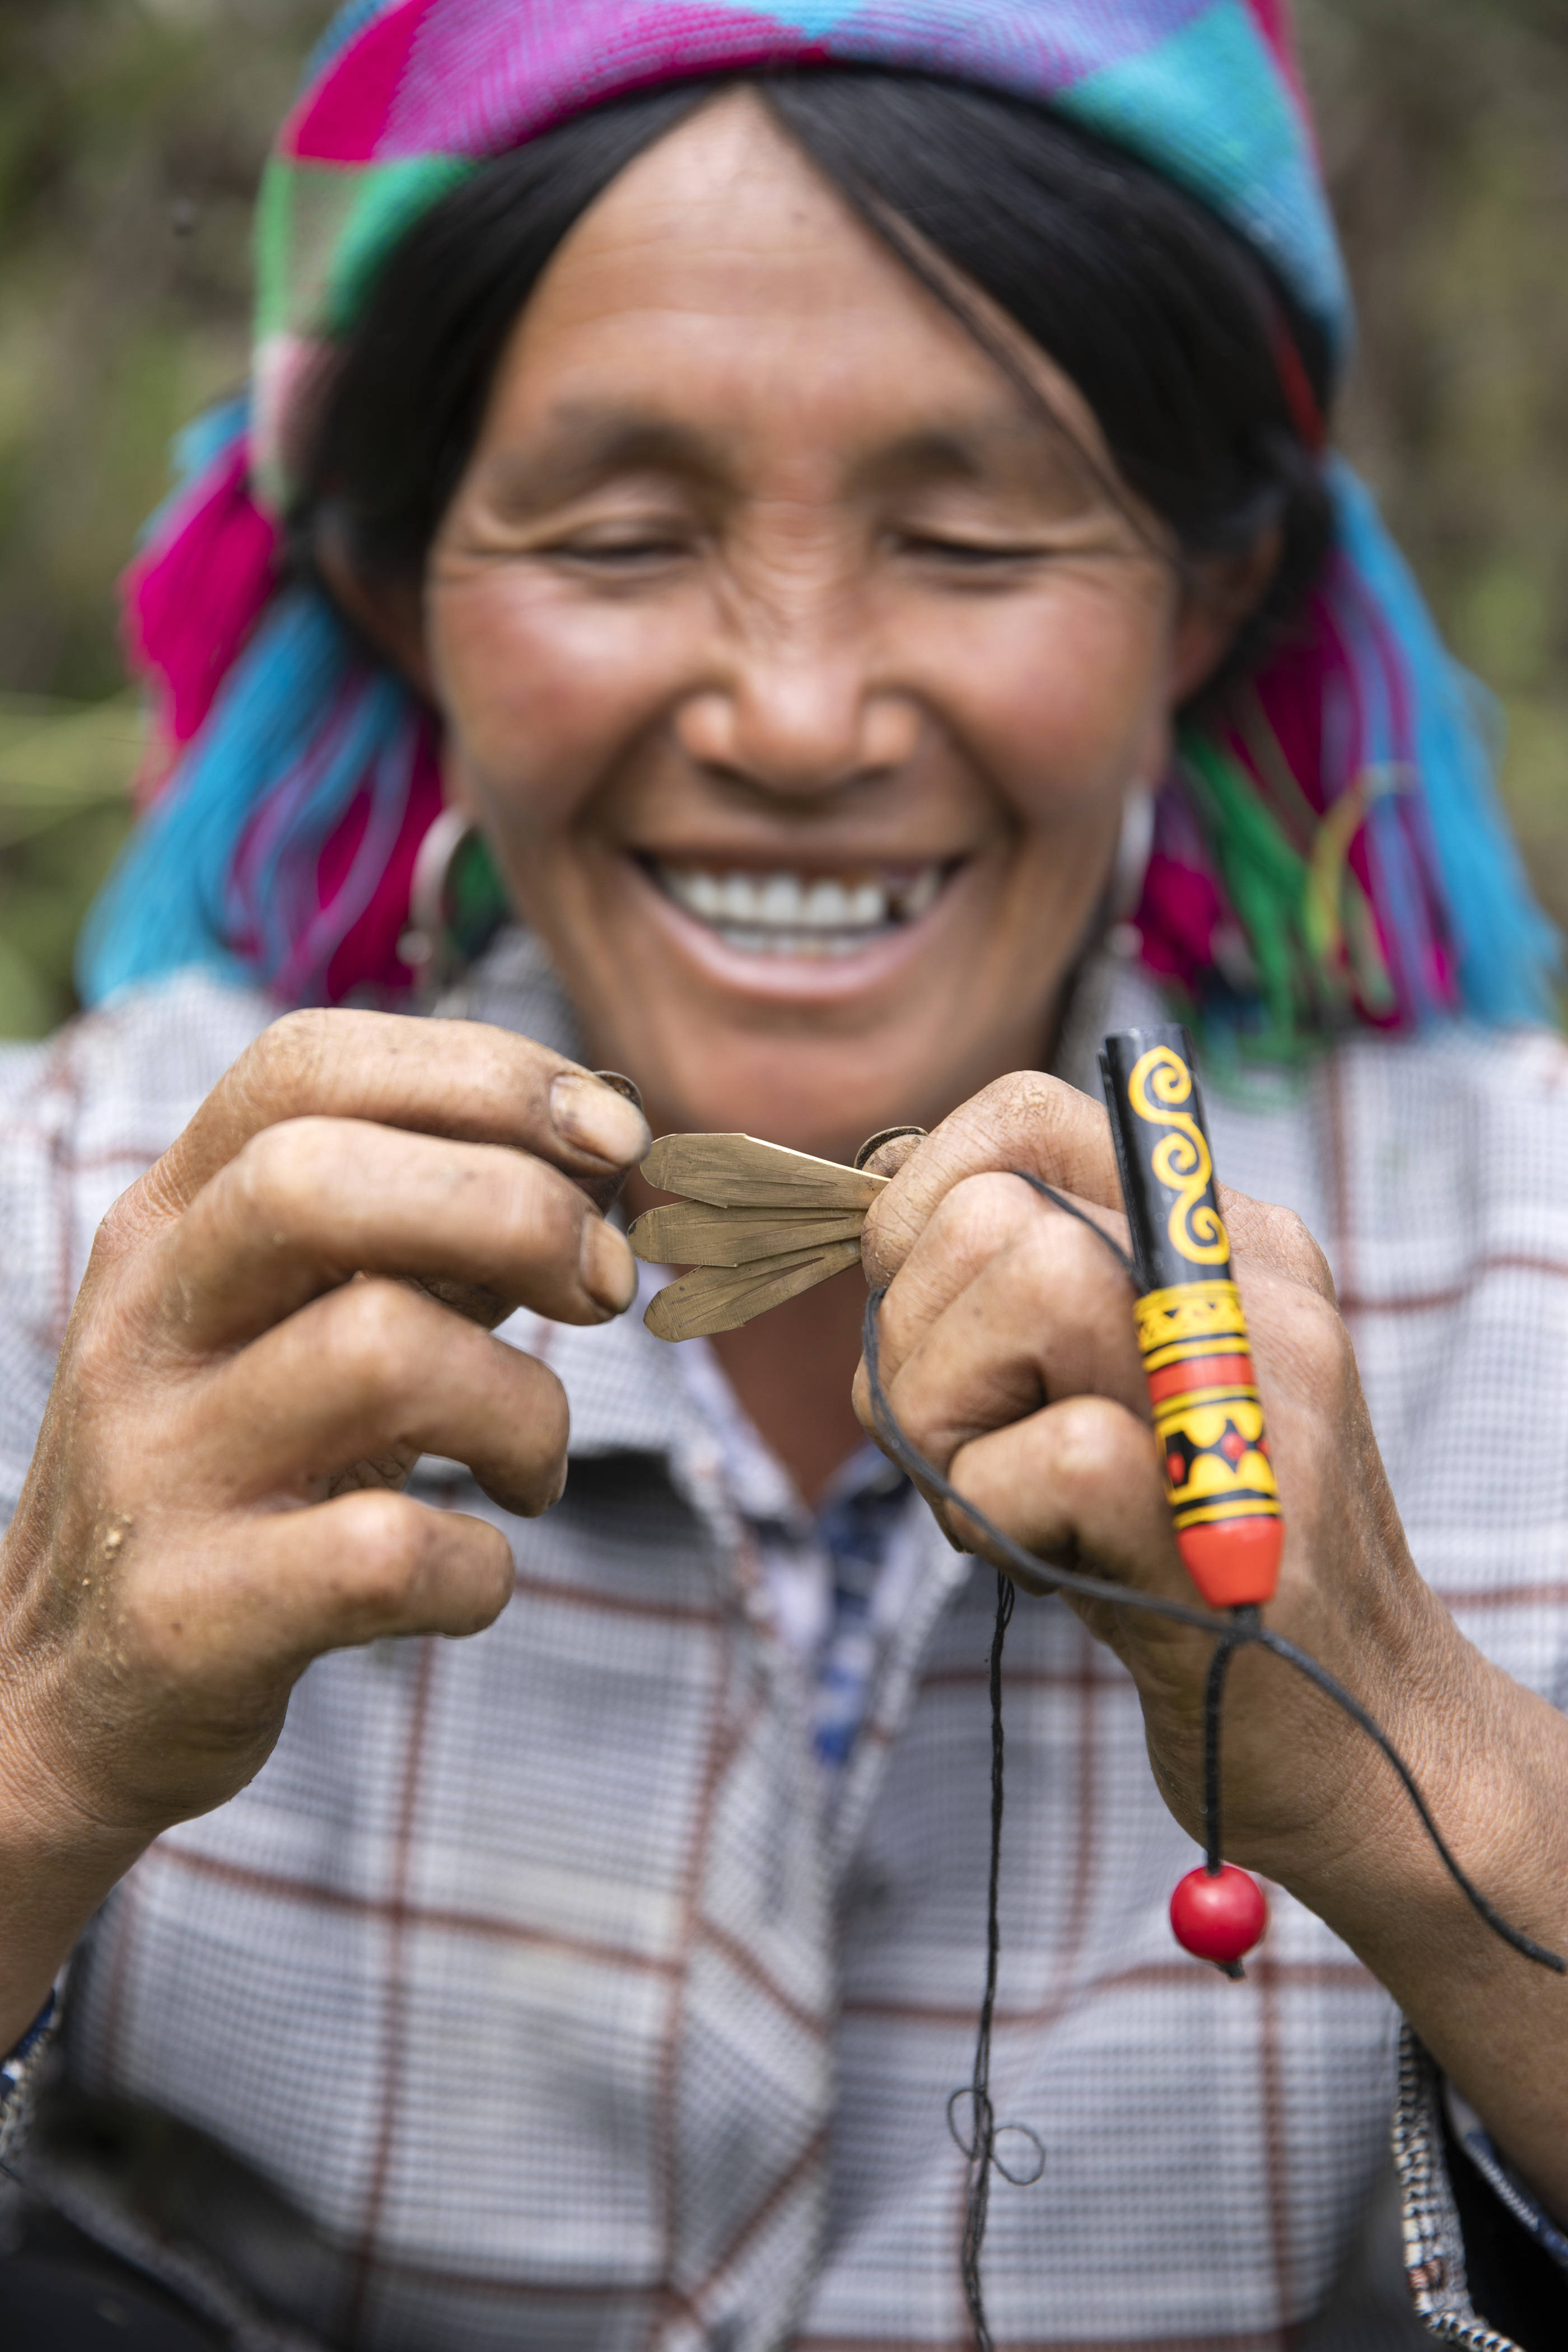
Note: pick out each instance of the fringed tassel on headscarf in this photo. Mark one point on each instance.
(290, 775)
(201, 578)
(282, 847)
(1507, 952)
(1330, 847)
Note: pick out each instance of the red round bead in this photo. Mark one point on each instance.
(1218, 1918)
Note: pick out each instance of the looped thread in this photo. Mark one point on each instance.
(990, 2131)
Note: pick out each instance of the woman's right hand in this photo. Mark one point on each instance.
(251, 1367)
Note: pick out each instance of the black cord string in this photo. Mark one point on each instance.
(1214, 1696)
(1241, 1629)
(979, 2148)
(1213, 1693)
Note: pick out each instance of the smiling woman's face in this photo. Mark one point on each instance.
(795, 665)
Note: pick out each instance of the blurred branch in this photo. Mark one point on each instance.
(58, 762)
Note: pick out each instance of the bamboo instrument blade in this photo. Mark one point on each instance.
(720, 1299)
(692, 1232)
(735, 1171)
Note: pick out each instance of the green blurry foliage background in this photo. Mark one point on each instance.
(131, 135)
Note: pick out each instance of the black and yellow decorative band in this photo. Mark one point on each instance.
(1214, 1449)
(1187, 1319)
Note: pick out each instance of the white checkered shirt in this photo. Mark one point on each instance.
(548, 1993)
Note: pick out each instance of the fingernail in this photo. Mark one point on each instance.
(606, 1266)
(879, 1142)
(622, 1085)
(594, 1118)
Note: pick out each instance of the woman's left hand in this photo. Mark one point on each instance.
(1008, 1357)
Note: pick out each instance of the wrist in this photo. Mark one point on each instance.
(58, 1861)
(1355, 1835)
(1487, 1756)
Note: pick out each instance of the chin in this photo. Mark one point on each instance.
(811, 1095)
(819, 1091)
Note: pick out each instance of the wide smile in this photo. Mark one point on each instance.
(784, 914)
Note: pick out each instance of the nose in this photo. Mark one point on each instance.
(799, 715)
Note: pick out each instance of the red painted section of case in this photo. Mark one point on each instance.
(1201, 1372)
(1234, 1562)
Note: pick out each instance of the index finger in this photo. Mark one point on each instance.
(1040, 1125)
(461, 1079)
(1027, 1121)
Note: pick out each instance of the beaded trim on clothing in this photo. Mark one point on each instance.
(1434, 2245)
(19, 2076)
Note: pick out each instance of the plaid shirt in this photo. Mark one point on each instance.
(542, 1988)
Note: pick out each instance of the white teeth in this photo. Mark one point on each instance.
(828, 906)
(785, 914)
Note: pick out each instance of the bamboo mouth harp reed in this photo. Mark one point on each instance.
(757, 1224)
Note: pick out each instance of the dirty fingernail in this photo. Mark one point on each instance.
(879, 1153)
(595, 1117)
(622, 1085)
(606, 1266)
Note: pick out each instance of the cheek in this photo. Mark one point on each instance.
(540, 693)
(1064, 697)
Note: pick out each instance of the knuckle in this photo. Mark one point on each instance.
(100, 1356)
(120, 1231)
(1053, 1250)
(1020, 1094)
(286, 1056)
(1285, 1240)
(274, 1175)
(1323, 1347)
(376, 1336)
(385, 1550)
(989, 1125)
(1288, 1235)
(1088, 1443)
(980, 1214)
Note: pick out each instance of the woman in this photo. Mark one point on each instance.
(798, 492)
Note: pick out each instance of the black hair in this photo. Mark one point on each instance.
(1171, 326)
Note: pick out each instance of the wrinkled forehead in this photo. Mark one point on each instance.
(720, 315)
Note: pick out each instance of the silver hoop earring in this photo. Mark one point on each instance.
(455, 902)
(1129, 869)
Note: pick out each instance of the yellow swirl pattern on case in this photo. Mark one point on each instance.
(1160, 1082)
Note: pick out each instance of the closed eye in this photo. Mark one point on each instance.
(968, 554)
(646, 547)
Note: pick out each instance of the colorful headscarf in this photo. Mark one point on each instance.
(1330, 846)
